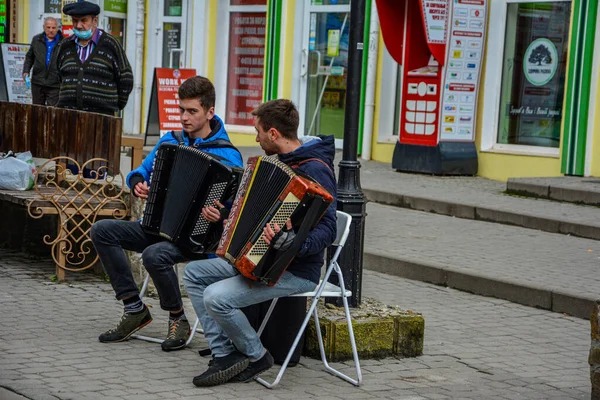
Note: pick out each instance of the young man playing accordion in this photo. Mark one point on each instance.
(200, 127)
(218, 291)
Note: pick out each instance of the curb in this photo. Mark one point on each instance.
(515, 292)
(483, 214)
(553, 192)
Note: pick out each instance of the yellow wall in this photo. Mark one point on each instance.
(23, 21)
(382, 152)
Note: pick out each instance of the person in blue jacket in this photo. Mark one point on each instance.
(218, 291)
(204, 130)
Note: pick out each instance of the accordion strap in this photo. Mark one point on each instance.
(297, 165)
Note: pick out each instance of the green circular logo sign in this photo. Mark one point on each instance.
(541, 61)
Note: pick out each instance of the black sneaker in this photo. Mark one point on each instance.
(222, 369)
(129, 324)
(255, 368)
(179, 333)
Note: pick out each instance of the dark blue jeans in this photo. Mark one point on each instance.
(110, 237)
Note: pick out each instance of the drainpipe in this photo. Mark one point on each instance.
(139, 60)
(370, 91)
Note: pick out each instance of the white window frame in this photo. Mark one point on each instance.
(222, 60)
(493, 86)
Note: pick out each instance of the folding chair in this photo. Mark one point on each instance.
(328, 290)
(156, 340)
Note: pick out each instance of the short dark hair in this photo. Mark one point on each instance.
(280, 114)
(198, 87)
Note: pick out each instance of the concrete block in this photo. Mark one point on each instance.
(404, 268)
(378, 196)
(493, 287)
(581, 230)
(573, 195)
(527, 189)
(378, 333)
(513, 218)
(573, 304)
(439, 207)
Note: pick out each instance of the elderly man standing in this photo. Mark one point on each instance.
(40, 62)
(94, 71)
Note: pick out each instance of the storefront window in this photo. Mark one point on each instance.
(52, 6)
(171, 44)
(116, 27)
(246, 65)
(328, 2)
(173, 8)
(533, 73)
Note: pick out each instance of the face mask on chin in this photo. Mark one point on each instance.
(84, 35)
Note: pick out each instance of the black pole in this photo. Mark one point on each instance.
(350, 197)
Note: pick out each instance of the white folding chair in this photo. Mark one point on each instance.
(327, 290)
(156, 340)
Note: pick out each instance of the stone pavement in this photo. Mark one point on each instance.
(475, 348)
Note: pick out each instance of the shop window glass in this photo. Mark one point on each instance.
(116, 27)
(533, 73)
(248, 2)
(328, 2)
(171, 41)
(173, 8)
(246, 66)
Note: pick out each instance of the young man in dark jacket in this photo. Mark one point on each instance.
(40, 64)
(216, 288)
(200, 127)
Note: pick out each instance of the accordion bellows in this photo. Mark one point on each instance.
(184, 180)
(270, 192)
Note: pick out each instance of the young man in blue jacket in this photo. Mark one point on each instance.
(201, 128)
(216, 288)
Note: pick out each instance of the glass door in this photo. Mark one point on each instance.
(172, 44)
(323, 92)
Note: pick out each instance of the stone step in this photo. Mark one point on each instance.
(572, 189)
(533, 268)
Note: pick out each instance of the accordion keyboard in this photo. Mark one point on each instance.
(216, 191)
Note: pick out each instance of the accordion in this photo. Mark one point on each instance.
(270, 192)
(184, 180)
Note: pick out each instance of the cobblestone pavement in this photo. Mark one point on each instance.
(533, 258)
(475, 348)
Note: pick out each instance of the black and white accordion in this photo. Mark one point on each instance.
(270, 192)
(184, 180)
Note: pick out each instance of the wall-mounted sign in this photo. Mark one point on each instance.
(541, 61)
(463, 70)
(246, 66)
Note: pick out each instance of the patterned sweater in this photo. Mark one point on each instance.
(101, 84)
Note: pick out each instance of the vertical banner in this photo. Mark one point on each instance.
(164, 114)
(13, 86)
(463, 70)
(246, 66)
(435, 18)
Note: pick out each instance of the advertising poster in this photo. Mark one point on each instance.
(463, 69)
(246, 66)
(164, 115)
(435, 18)
(66, 21)
(14, 88)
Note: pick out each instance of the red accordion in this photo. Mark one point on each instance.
(270, 192)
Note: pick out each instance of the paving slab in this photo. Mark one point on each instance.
(530, 267)
(475, 347)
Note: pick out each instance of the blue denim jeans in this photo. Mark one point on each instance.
(218, 292)
(110, 237)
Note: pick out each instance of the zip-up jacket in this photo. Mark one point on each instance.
(309, 260)
(231, 156)
(35, 62)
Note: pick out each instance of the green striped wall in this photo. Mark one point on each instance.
(577, 91)
(273, 41)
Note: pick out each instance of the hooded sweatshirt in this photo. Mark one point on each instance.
(232, 157)
(307, 264)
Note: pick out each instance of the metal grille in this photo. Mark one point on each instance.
(215, 193)
(280, 217)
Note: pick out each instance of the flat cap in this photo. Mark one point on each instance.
(81, 8)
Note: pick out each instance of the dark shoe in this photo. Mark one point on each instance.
(179, 332)
(222, 369)
(129, 324)
(255, 368)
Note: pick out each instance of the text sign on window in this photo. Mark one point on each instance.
(52, 6)
(246, 66)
